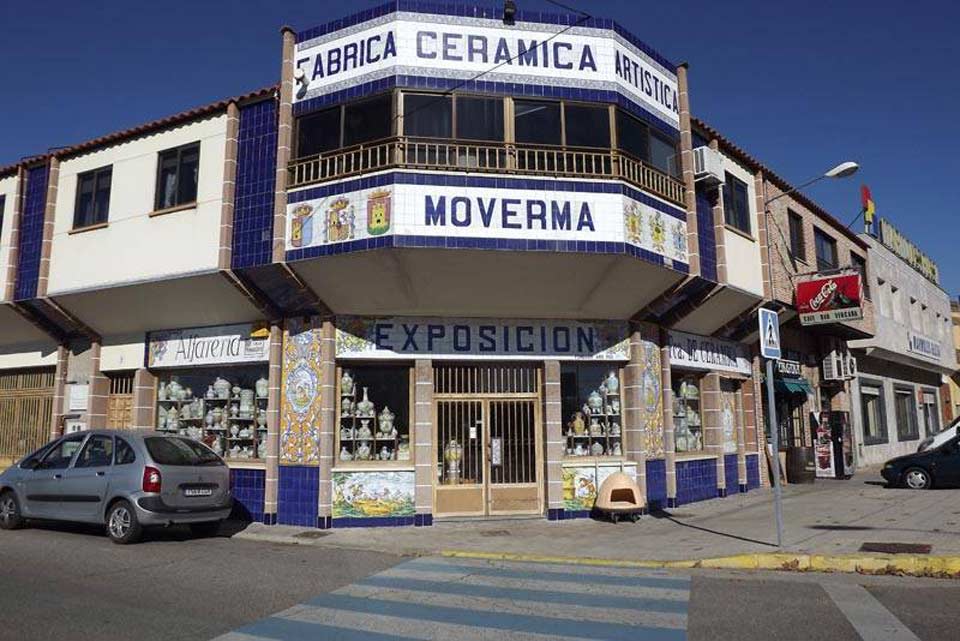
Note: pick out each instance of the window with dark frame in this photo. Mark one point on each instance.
(537, 122)
(479, 118)
(906, 408)
(92, 206)
(427, 115)
(319, 132)
(641, 142)
(586, 125)
(177, 174)
(368, 120)
(873, 413)
(736, 206)
(797, 240)
(826, 247)
(859, 263)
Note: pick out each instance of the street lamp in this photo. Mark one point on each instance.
(843, 170)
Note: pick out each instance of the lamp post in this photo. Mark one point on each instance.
(843, 170)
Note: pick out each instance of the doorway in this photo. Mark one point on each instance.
(487, 440)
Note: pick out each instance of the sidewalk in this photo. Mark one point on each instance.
(828, 517)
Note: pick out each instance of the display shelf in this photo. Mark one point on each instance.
(351, 449)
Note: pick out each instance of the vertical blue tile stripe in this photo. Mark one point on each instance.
(656, 483)
(696, 480)
(298, 495)
(31, 233)
(730, 473)
(256, 184)
(248, 488)
(753, 471)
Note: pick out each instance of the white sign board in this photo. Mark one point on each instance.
(475, 338)
(206, 346)
(922, 346)
(432, 46)
(769, 324)
(690, 351)
(481, 212)
(77, 395)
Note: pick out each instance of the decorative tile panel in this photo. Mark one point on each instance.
(31, 233)
(373, 494)
(581, 483)
(256, 184)
(650, 411)
(300, 393)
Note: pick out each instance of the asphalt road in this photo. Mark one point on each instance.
(67, 582)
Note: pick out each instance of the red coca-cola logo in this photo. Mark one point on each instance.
(824, 296)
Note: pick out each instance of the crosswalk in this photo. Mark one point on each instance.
(440, 598)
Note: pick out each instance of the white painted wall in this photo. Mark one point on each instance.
(29, 356)
(133, 246)
(122, 352)
(742, 252)
(8, 189)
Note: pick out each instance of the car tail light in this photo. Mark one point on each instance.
(151, 479)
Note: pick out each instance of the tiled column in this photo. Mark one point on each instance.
(743, 403)
(273, 425)
(228, 198)
(97, 392)
(712, 430)
(633, 425)
(48, 219)
(328, 416)
(422, 437)
(686, 165)
(284, 142)
(14, 252)
(553, 424)
(719, 228)
(59, 388)
(144, 400)
(669, 446)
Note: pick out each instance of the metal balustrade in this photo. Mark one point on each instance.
(500, 158)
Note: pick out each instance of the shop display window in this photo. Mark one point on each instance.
(687, 418)
(591, 402)
(224, 407)
(373, 413)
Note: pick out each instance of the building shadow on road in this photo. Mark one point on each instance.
(663, 514)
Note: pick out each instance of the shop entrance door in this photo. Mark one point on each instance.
(487, 441)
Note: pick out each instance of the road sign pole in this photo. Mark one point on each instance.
(775, 438)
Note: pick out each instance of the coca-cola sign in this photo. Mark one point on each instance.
(829, 299)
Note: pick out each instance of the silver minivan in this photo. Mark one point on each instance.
(126, 480)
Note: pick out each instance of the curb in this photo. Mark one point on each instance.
(945, 567)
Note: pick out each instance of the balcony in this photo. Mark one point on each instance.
(487, 157)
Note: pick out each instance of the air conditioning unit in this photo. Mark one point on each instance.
(839, 365)
(708, 166)
(851, 367)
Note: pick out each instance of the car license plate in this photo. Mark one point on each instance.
(198, 492)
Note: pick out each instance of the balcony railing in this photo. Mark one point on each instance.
(496, 158)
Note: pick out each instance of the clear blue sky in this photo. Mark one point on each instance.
(800, 85)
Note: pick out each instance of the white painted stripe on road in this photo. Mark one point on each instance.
(870, 619)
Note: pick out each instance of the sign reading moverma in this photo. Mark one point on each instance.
(829, 299)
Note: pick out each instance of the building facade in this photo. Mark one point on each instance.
(902, 369)
(450, 266)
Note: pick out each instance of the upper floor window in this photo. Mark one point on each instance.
(93, 197)
(586, 125)
(319, 132)
(537, 122)
(345, 125)
(177, 172)
(638, 140)
(798, 247)
(428, 116)
(826, 247)
(736, 208)
(859, 263)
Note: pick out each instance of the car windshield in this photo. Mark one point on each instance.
(173, 450)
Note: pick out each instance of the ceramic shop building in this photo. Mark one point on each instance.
(394, 287)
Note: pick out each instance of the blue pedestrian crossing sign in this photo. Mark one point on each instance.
(769, 333)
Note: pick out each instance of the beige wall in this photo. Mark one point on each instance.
(135, 246)
(743, 250)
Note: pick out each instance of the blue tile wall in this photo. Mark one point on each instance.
(730, 473)
(298, 495)
(376, 521)
(696, 480)
(656, 483)
(248, 487)
(481, 9)
(3, 206)
(753, 471)
(31, 233)
(707, 237)
(256, 184)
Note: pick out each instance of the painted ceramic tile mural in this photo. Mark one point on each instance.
(651, 399)
(300, 393)
(728, 420)
(580, 484)
(373, 494)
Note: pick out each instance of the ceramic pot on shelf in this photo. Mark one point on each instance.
(364, 406)
(596, 449)
(346, 407)
(236, 391)
(345, 455)
(174, 391)
(210, 393)
(162, 391)
(612, 383)
(616, 449)
(452, 454)
(595, 401)
(234, 410)
(262, 386)
(346, 384)
(577, 425)
(363, 452)
(386, 422)
(386, 454)
(403, 450)
(222, 388)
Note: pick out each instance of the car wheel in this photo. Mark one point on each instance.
(122, 524)
(10, 517)
(917, 479)
(205, 529)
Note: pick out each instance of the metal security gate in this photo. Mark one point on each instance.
(488, 448)
(26, 411)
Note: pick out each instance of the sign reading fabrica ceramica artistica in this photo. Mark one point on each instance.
(480, 212)
(206, 346)
(460, 48)
(403, 337)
